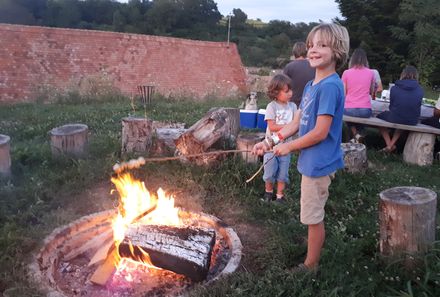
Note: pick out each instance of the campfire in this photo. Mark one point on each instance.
(146, 245)
(147, 230)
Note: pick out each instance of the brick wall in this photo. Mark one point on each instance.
(32, 57)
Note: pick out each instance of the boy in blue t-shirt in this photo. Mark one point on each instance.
(320, 133)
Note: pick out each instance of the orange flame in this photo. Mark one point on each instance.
(134, 199)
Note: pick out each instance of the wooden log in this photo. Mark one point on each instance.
(164, 141)
(215, 125)
(247, 142)
(5, 157)
(229, 139)
(185, 250)
(137, 134)
(355, 157)
(102, 253)
(419, 148)
(92, 244)
(407, 220)
(70, 140)
(106, 270)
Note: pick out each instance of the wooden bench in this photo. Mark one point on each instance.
(419, 146)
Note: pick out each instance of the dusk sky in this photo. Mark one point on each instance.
(294, 11)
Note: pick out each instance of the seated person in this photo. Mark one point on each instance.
(434, 121)
(405, 104)
(359, 83)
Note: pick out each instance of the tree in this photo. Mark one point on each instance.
(238, 18)
(419, 27)
(14, 13)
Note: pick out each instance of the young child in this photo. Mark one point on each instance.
(279, 112)
(320, 130)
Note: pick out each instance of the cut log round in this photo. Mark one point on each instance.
(246, 142)
(407, 220)
(355, 157)
(184, 250)
(137, 134)
(419, 148)
(5, 157)
(70, 140)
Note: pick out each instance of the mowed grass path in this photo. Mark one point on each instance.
(38, 198)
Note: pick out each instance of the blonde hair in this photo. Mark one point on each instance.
(337, 38)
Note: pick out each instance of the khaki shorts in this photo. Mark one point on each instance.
(314, 194)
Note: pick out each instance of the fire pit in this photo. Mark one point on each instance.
(65, 265)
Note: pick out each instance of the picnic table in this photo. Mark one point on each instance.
(380, 105)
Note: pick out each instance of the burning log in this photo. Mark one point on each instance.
(103, 273)
(185, 250)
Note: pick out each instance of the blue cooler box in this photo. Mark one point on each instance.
(261, 123)
(248, 118)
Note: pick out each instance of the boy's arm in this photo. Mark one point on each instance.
(287, 131)
(316, 135)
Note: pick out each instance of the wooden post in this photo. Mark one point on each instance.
(419, 148)
(355, 157)
(70, 139)
(137, 134)
(407, 220)
(5, 157)
(247, 142)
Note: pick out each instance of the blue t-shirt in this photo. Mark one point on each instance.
(325, 98)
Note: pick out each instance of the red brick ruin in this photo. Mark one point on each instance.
(33, 57)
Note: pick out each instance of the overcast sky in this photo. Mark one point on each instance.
(294, 11)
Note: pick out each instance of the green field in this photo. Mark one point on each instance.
(44, 193)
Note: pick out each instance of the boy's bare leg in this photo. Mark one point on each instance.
(386, 136)
(315, 241)
(280, 188)
(269, 187)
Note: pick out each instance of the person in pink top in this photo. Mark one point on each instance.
(359, 86)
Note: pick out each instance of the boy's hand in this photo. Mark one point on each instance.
(281, 149)
(259, 149)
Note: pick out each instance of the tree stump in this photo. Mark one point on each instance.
(419, 148)
(247, 142)
(407, 221)
(5, 157)
(137, 135)
(70, 140)
(355, 157)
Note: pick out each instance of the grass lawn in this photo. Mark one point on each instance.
(44, 193)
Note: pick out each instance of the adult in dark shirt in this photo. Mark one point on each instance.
(299, 71)
(405, 104)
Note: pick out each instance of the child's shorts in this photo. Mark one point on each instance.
(314, 194)
(276, 169)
